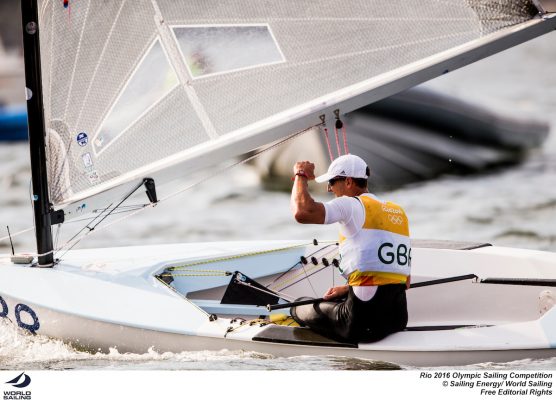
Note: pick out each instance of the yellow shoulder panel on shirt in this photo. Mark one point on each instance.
(384, 216)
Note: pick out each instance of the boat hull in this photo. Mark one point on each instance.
(99, 336)
(117, 302)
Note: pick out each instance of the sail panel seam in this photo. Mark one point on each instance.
(87, 92)
(343, 55)
(121, 88)
(75, 60)
(169, 43)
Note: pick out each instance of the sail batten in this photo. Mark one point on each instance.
(163, 88)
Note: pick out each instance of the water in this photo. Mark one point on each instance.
(508, 207)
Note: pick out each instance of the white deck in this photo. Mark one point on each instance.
(111, 298)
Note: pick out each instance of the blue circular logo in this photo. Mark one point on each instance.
(82, 139)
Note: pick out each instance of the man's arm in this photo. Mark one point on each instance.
(336, 292)
(304, 208)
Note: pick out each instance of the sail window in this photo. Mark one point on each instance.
(152, 80)
(210, 50)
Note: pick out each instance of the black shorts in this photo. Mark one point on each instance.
(356, 320)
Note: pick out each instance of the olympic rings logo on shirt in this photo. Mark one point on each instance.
(395, 219)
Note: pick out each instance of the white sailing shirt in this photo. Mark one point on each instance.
(374, 242)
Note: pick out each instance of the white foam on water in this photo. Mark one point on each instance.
(22, 350)
(18, 347)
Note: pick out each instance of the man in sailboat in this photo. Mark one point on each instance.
(375, 254)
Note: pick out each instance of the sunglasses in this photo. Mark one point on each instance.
(332, 181)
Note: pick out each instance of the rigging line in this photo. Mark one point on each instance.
(234, 257)
(106, 226)
(216, 271)
(346, 150)
(131, 206)
(337, 141)
(181, 295)
(295, 283)
(308, 280)
(202, 274)
(273, 293)
(241, 162)
(17, 234)
(57, 235)
(325, 129)
(296, 264)
(333, 277)
(81, 230)
(281, 279)
(128, 210)
(119, 204)
(90, 219)
(106, 216)
(294, 277)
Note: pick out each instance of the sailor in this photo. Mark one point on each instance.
(374, 248)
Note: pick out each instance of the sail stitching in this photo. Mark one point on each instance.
(55, 191)
(77, 54)
(344, 55)
(168, 42)
(132, 124)
(87, 92)
(42, 11)
(51, 69)
(230, 21)
(121, 88)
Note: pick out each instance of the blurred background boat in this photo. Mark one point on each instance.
(413, 136)
(13, 117)
(13, 122)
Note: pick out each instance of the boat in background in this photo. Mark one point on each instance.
(414, 136)
(13, 123)
(13, 110)
(12, 76)
(100, 133)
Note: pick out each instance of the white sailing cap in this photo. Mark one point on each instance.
(348, 165)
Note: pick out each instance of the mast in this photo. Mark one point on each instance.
(37, 145)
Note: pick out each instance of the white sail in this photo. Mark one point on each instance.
(162, 88)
